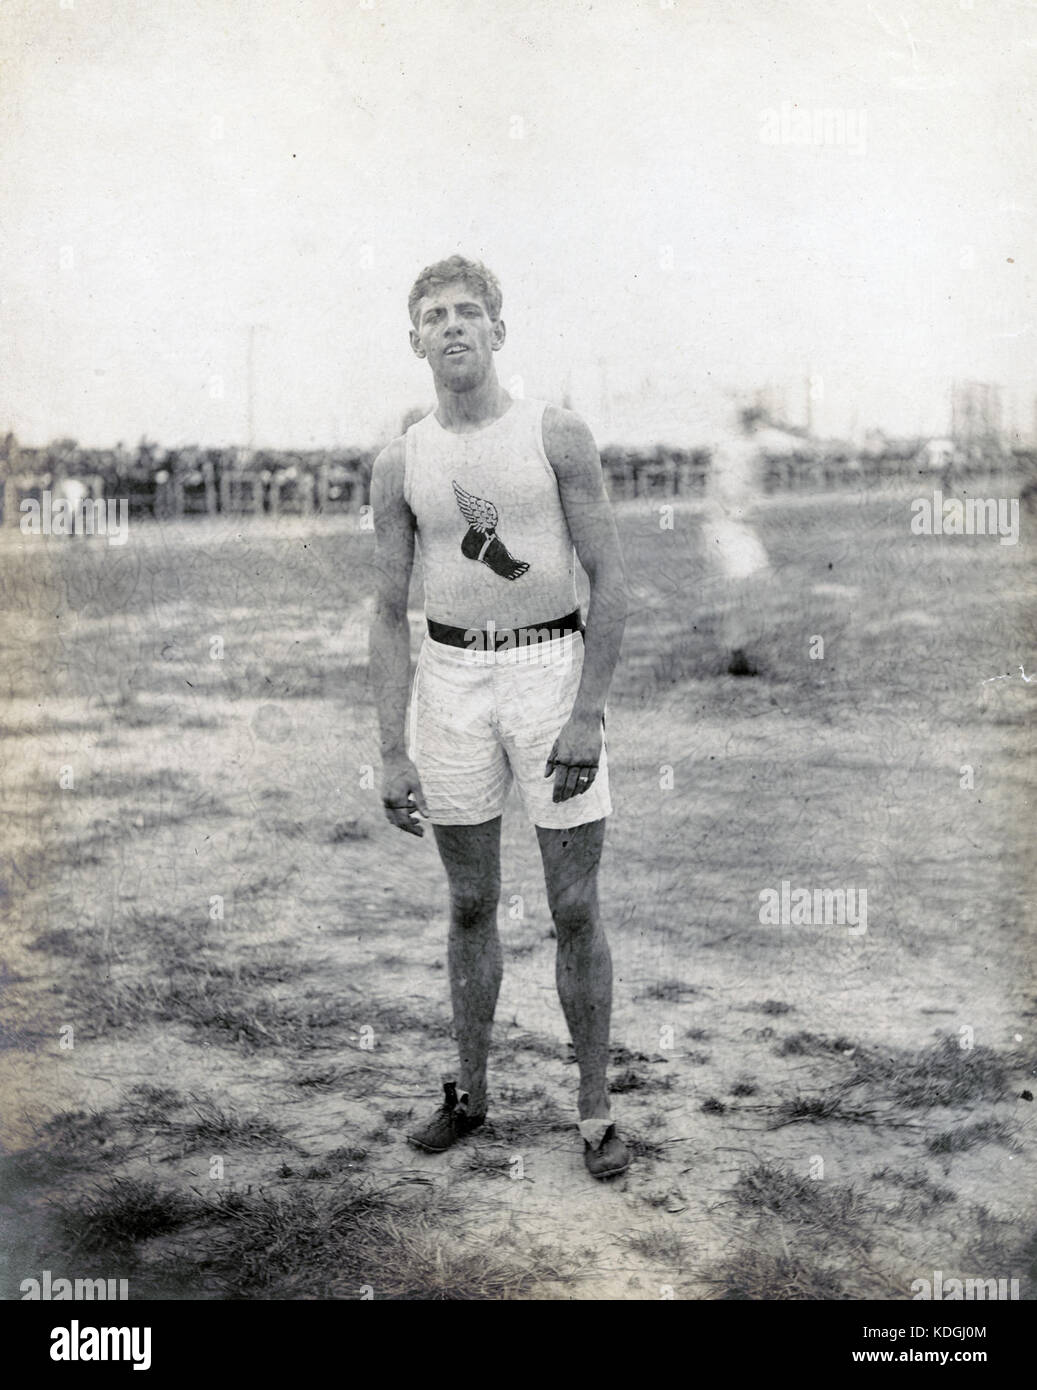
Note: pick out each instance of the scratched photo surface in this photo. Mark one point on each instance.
(779, 258)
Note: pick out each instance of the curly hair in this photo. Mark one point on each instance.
(473, 274)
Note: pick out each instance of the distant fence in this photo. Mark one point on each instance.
(193, 483)
(210, 482)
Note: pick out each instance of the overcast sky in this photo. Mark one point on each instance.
(176, 172)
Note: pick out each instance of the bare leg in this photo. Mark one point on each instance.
(583, 966)
(471, 857)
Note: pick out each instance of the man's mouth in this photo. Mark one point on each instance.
(454, 349)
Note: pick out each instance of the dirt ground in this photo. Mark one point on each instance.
(224, 992)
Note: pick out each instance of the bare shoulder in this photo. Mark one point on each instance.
(567, 442)
(566, 435)
(387, 473)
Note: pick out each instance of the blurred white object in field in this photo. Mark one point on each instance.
(72, 490)
(738, 556)
(735, 547)
(732, 486)
(936, 454)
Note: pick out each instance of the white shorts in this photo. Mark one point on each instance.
(478, 719)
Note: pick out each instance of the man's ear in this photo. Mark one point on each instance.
(500, 332)
(415, 343)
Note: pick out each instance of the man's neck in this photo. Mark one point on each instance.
(464, 411)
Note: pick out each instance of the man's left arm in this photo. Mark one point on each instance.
(573, 455)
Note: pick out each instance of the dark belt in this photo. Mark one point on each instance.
(478, 638)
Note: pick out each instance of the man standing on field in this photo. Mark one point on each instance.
(509, 684)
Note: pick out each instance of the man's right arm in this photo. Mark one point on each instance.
(389, 646)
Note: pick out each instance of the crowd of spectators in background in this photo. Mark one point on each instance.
(193, 480)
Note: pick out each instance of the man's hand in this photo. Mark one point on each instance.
(402, 796)
(574, 757)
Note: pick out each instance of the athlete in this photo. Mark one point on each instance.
(500, 494)
(733, 488)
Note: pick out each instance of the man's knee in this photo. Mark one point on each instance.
(574, 914)
(474, 904)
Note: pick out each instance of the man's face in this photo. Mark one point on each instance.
(457, 336)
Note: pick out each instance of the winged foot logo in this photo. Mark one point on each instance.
(481, 541)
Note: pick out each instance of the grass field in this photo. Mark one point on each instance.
(224, 991)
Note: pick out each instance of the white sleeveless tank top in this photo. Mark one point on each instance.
(494, 542)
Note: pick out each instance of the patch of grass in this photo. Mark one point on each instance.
(163, 780)
(66, 941)
(71, 1141)
(75, 1130)
(812, 1045)
(521, 1095)
(942, 1075)
(633, 1080)
(773, 1007)
(321, 1079)
(164, 926)
(342, 1160)
(538, 1044)
(669, 991)
(672, 1200)
(152, 1105)
(418, 1261)
(289, 829)
(395, 1118)
(640, 1147)
(698, 1034)
(920, 1196)
(697, 1059)
(754, 1275)
(219, 1001)
(829, 1106)
(620, 1056)
(120, 1214)
(21, 1035)
(218, 1128)
(490, 1165)
(1027, 1256)
(664, 1246)
(392, 1016)
(266, 887)
(774, 1189)
(289, 1245)
(108, 836)
(248, 974)
(745, 1088)
(713, 1106)
(357, 1241)
(1003, 1244)
(965, 1137)
(546, 1118)
(345, 831)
